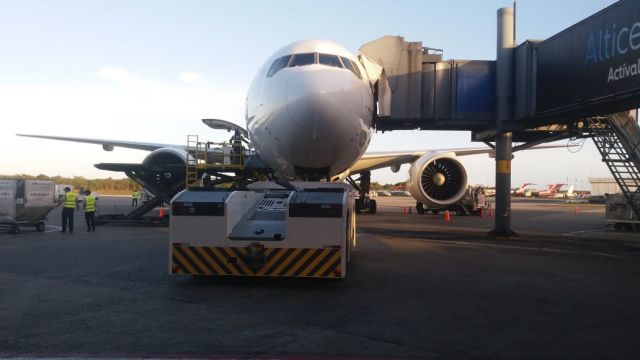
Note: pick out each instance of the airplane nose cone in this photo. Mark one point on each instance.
(312, 99)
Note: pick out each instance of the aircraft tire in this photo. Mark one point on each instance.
(373, 206)
(358, 206)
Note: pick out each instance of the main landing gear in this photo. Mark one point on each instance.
(363, 184)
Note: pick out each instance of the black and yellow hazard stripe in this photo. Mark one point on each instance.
(283, 262)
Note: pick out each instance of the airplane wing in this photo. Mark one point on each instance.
(378, 160)
(107, 145)
(369, 161)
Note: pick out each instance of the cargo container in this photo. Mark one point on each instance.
(620, 213)
(60, 191)
(26, 203)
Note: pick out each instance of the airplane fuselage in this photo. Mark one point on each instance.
(310, 109)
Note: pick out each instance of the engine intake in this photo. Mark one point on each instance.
(437, 179)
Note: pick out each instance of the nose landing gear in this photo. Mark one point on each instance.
(363, 184)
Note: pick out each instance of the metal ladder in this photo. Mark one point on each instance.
(138, 212)
(191, 176)
(614, 150)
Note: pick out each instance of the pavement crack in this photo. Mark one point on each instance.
(177, 300)
(545, 343)
(283, 344)
(377, 339)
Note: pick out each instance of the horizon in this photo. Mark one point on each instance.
(52, 177)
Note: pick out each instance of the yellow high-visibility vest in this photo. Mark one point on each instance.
(70, 200)
(90, 203)
(135, 195)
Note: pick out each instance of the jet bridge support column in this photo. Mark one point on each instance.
(504, 115)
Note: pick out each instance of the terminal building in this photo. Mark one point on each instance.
(601, 186)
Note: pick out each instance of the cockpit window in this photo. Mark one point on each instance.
(313, 58)
(351, 66)
(356, 69)
(278, 64)
(329, 60)
(303, 59)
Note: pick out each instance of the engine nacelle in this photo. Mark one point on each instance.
(164, 173)
(167, 155)
(437, 179)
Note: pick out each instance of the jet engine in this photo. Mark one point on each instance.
(166, 155)
(163, 172)
(437, 179)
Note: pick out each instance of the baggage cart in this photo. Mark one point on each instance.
(26, 203)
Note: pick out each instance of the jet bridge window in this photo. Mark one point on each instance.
(303, 59)
(329, 60)
(278, 64)
(351, 66)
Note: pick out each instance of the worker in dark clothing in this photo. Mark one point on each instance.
(236, 142)
(90, 210)
(68, 209)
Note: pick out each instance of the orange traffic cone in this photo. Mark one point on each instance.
(575, 210)
(161, 212)
(447, 216)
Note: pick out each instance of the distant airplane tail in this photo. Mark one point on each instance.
(557, 187)
(522, 188)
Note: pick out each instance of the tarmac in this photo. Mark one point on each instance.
(417, 287)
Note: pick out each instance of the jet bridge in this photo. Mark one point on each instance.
(418, 90)
(533, 93)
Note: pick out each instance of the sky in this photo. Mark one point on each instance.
(150, 70)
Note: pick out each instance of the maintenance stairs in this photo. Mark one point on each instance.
(206, 157)
(147, 206)
(617, 137)
(193, 147)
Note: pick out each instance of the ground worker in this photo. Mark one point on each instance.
(79, 198)
(236, 143)
(68, 209)
(135, 195)
(90, 210)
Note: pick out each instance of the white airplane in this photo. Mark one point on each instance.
(566, 195)
(309, 114)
